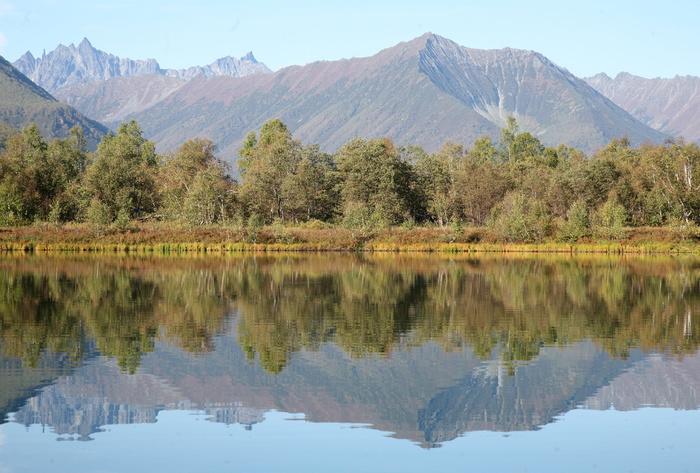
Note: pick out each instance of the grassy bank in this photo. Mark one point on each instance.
(166, 238)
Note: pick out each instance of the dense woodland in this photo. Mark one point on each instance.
(513, 186)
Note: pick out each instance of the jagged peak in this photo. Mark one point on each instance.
(249, 57)
(85, 42)
(28, 56)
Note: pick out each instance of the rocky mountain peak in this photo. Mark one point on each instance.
(249, 57)
(66, 66)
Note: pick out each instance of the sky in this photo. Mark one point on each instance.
(645, 38)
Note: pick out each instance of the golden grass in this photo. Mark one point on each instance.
(169, 238)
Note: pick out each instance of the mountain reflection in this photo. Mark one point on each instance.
(428, 347)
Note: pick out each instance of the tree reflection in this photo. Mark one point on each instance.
(503, 307)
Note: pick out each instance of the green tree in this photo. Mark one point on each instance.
(578, 223)
(611, 219)
(373, 177)
(478, 187)
(265, 164)
(520, 219)
(435, 173)
(673, 169)
(36, 177)
(518, 147)
(310, 192)
(122, 178)
(195, 185)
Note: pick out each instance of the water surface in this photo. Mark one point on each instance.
(349, 363)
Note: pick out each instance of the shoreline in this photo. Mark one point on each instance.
(149, 238)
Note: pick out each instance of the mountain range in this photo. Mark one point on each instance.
(671, 106)
(69, 65)
(426, 92)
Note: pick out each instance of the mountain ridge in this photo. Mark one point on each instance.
(69, 65)
(669, 105)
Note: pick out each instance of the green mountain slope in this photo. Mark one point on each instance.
(22, 102)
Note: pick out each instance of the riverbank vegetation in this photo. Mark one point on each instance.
(370, 194)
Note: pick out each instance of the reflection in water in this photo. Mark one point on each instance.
(427, 347)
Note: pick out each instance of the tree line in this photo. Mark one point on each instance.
(514, 186)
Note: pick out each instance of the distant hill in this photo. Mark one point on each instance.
(22, 102)
(668, 105)
(69, 65)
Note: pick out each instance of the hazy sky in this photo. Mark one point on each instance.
(645, 38)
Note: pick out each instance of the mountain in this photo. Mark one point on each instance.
(426, 92)
(116, 99)
(671, 106)
(22, 102)
(69, 65)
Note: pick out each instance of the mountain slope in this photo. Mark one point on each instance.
(22, 102)
(115, 99)
(69, 65)
(546, 99)
(669, 105)
(426, 92)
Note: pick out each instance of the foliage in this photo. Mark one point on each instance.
(121, 180)
(518, 189)
(375, 181)
(283, 179)
(578, 223)
(195, 186)
(519, 219)
(611, 219)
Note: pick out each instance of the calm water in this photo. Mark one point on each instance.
(349, 363)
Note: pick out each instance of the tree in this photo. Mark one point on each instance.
(375, 181)
(483, 150)
(35, 178)
(264, 164)
(518, 147)
(121, 179)
(310, 192)
(578, 223)
(195, 185)
(520, 219)
(478, 187)
(435, 173)
(674, 170)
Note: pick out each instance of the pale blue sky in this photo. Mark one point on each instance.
(646, 38)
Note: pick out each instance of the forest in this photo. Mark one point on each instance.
(512, 187)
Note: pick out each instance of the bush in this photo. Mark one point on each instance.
(517, 219)
(610, 220)
(577, 224)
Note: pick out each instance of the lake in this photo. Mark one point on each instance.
(349, 362)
